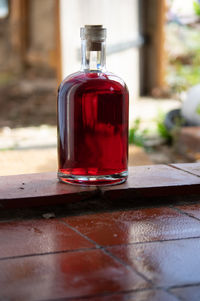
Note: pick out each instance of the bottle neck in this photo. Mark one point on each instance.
(93, 56)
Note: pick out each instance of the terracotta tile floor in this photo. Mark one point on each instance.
(187, 293)
(133, 226)
(151, 253)
(163, 263)
(66, 275)
(146, 295)
(37, 237)
(191, 210)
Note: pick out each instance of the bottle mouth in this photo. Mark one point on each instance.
(94, 33)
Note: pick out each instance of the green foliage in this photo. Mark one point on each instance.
(182, 77)
(5, 78)
(196, 6)
(161, 128)
(183, 70)
(191, 74)
(198, 109)
(136, 135)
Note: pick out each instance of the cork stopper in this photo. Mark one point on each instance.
(94, 34)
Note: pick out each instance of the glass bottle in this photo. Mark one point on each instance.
(93, 119)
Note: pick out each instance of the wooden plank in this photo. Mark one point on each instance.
(43, 189)
(32, 190)
(154, 181)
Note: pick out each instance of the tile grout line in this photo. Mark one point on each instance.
(81, 234)
(46, 253)
(93, 248)
(152, 242)
(108, 253)
(184, 213)
(184, 170)
(104, 249)
(184, 285)
(167, 290)
(108, 294)
(88, 297)
(127, 266)
(171, 294)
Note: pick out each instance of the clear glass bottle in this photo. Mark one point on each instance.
(93, 119)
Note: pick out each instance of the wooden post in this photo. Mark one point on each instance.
(58, 43)
(159, 41)
(19, 29)
(152, 54)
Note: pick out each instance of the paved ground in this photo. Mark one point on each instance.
(43, 160)
(33, 149)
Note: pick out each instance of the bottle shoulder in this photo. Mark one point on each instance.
(71, 77)
(99, 79)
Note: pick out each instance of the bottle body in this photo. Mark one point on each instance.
(93, 129)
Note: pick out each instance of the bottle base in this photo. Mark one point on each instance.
(103, 180)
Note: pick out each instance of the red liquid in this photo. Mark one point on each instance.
(92, 125)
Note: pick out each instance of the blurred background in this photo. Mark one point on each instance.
(154, 45)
